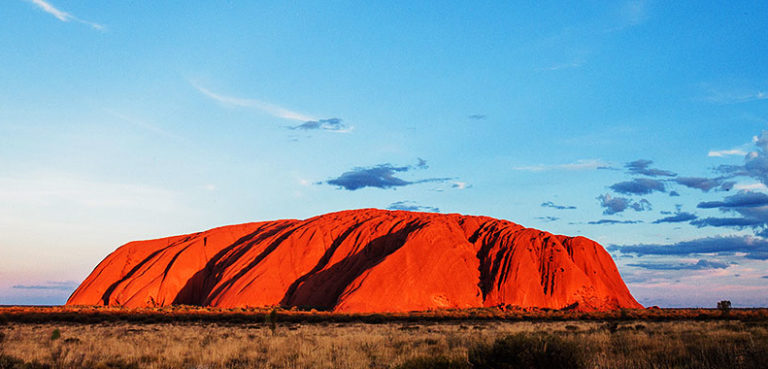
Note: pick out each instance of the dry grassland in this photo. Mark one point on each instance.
(627, 344)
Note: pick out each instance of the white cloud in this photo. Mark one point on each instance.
(576, 63)
(721, 153)
(733, 95)
(62, 15)
(589, 164)
(459, 185)
(751, 187)
(271, 109)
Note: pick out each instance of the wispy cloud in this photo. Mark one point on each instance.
(589, 164)
(750, 187)
(62, 15)
(706, 184)
(271, 109)
(147, 126)
(412, 206)
(677, 218)
(550, 204)
(643, 167)
(331, 124)
(613, 221)
(576, 63)
(722, 153)
(702, 264)
(731, 94)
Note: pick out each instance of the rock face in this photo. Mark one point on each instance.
(362, 261)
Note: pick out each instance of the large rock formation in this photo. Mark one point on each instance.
(361, 261)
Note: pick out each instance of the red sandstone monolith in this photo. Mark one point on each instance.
(365, 260)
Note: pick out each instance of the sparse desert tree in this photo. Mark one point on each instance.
(724, 306)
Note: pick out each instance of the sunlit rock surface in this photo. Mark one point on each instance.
(364, 260)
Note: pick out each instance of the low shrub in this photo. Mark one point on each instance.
(528, 351)
(434, 362)
(115, 364)
(10, 362)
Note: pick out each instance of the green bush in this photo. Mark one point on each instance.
(56, 334)
(528, 351)
(436, 362)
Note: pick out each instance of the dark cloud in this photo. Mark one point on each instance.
(477, 116)
(751, 206)
(380, 176)
(638, 186)
(727, 222)
(673, 194)
(548, 219)
(614, 205)
(641, 205)
(753, 247)
(765, 276)
(550, 204)
(613, 221)
(641, 167)
(705, 184)
(411, 206)
(743, 199)
(677, 218)
(700, 265)
(331, 124)
(421, 163)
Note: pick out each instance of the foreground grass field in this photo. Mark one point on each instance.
(33, 342)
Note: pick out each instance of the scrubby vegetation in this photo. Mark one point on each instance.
(464, 344)
(185, 313)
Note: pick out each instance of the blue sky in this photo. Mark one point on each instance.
(638, 124)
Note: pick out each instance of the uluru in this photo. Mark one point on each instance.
(365, 260)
